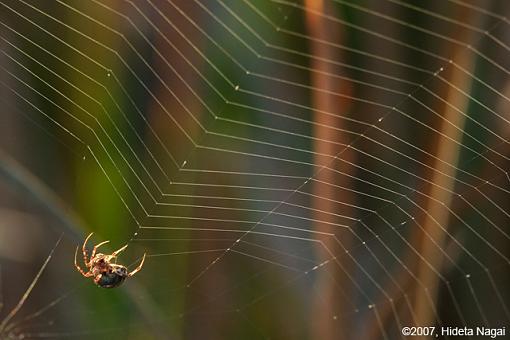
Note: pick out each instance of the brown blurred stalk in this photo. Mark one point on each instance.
(327, 300)
(430, 236)
(435, 223)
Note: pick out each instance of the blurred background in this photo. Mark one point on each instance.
(293, 169)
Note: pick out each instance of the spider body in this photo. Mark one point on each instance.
(103, 268)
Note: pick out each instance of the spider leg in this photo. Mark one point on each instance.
(88, 274)
(137, 269)
(95, 249)
(115, 253)
(84, 249)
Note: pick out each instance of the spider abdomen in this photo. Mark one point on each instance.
(110, 280)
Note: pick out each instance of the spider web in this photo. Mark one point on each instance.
(309, 169)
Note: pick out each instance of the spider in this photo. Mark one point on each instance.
(106, 274)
